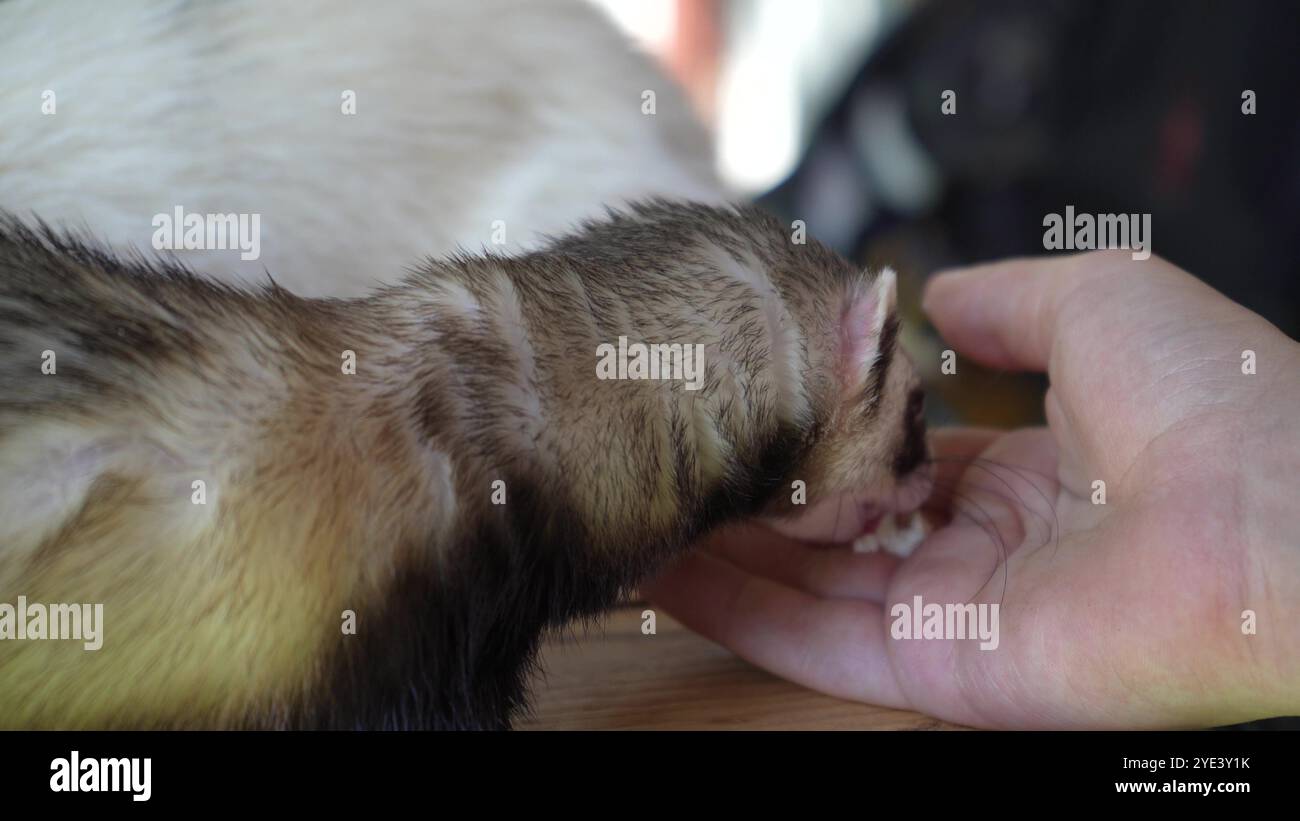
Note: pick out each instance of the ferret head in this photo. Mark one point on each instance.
(806, 381)
(869, 457)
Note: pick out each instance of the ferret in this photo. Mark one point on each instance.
(238, 474)
(362, 135)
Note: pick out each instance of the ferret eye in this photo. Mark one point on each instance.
(915, 404)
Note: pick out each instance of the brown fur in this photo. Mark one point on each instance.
(371, 492)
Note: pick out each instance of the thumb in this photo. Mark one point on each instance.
(1005, 314)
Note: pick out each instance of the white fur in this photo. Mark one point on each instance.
(467, 112)
(522, 393)
(457, 300)
(784, 337)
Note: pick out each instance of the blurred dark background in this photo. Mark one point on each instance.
(1107, 105)
(830, 112)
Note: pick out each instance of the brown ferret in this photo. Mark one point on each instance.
(238, 475)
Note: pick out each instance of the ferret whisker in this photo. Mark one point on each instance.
(1053, 527)
(964, 503)
(994, 533)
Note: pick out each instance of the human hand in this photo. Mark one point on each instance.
(1127, 614)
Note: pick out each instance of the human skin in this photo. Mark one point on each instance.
(1123, 615)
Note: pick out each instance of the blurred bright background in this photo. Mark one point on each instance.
(760, 73)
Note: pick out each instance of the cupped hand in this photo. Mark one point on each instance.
(1174, 603)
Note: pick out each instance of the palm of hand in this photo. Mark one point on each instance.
(1124, 614)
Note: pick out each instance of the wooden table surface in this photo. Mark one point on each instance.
(616, 678)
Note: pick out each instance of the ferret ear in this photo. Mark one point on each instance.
(867, 306)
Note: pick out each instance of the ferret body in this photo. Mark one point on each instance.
(470, 483)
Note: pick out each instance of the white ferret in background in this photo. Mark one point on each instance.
(365, 136)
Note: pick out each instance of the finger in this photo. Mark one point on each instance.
(836, 518)
(1005, 314)
(825, 571)
(836, 646)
